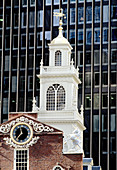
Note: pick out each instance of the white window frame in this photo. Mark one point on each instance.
(105, 13)
(98, 8)
(58, 58)
(27, 157)
(23, 5)
(54, 100)
(32, 4)
(80, 20)
(57, 166)
(112, 12)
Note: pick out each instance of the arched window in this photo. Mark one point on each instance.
(55, 97)
(58, 55)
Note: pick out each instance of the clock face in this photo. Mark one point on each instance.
(21, 133)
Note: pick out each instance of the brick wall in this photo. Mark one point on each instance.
(44, 155)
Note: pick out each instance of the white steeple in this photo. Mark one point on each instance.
(59, 93)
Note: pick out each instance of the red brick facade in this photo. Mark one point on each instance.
(43, 155)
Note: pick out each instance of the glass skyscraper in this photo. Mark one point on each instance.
(91, 28)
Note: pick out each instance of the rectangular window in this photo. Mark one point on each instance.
(112, 145)
(80, 36)
(23, 19)
(40, 18)
(16, 20)
(105, 13)
(104, 101)
(6, 66)
(23, 40)
(48, 2)
(104, 79)
(16, 3)
(96, 101)
(80, 15)
(96, 57)
(88, 57)
(105, 56)
(114, 56)
(6, 84)
(114, 34)
(30, 83)
(114, 12)
(72, 36)
(104, 123)
(39, 39)
(14, 83)
(95, 123)
(56, 19)
(22, 83)
(31, 40)
(88, 79)
(113, 78)
(113, 123)
(7, 41)
(80, 58)
(32, 2)
(88, 36)
(5, 105)
(97, 14)
(96, 81)
(24, 3)
(72, 15)
(31, 19)
(8, 20)
(22, 62)
(88, 14)
(47, 38)
(21, 159)
(105, 35)
(113, 100)
(15, 41)
(104, 145)
(88, 101)
(97, 36)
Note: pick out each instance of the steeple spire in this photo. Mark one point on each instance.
(60, 15)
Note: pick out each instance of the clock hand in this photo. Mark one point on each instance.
(19, 134)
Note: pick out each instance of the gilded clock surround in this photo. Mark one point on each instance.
(21, 125)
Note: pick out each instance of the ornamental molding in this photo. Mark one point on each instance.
(12, 144)
(37, 127)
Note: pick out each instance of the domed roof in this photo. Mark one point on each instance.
(60, 40)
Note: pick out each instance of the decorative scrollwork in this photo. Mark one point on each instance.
(12, 144)
(38, 127)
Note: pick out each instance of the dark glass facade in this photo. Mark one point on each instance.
(91, 28)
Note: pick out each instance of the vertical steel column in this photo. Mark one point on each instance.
(35, 51)
(60, 4)
(84, 56)
(52, 2)
(109, 70)
(100, 82)
(43, 40)
(68, 18)
(92, 79)
(26, 60)
(10, 58)
(18, 58)
(2, 61)
(76, 35)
